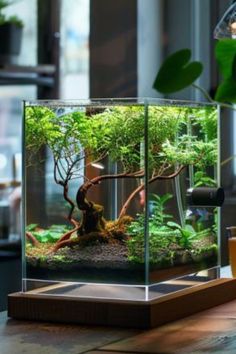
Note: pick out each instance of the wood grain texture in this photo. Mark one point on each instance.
(211, 331)
(106, 352)
(25, 337)
(135, 314)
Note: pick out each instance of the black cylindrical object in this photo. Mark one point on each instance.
(206, 196)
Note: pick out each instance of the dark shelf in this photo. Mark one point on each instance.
(9, 250)
(41, 75)
(6, 245)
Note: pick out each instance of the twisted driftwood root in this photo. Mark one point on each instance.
(30, 237)
(85, 240)
(66, 237)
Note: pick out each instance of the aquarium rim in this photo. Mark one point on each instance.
(118, 101)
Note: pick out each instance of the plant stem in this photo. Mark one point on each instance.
(228, 160)
(210, 99)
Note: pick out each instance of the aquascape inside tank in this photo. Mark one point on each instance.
(110, 209)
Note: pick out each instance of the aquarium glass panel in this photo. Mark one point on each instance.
(116, 197)
(182, 178)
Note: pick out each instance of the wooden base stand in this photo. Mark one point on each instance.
(136, 314)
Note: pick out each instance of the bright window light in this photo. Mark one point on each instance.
(3, 161)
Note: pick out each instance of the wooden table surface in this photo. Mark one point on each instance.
(211, 331)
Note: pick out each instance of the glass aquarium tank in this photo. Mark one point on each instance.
(121, 197)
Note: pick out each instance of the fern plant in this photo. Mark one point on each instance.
(159, 216)
(188, 234)
(161, 236)
(165, 236)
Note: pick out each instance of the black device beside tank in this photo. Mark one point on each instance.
(206, 196)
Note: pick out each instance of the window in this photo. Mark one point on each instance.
(74, 49)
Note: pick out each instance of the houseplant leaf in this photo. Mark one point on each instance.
(225, 52)
(177, 72)
(226, 91)
(234, 68)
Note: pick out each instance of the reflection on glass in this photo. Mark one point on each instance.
(226, 28)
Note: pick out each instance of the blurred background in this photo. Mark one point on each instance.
(72, 49)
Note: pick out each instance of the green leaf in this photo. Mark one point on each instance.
(164, 198)
(234, 68)
(226, 91)
(177, 73)
(174, 225)
(190, 228)
(54, 236)
(225, 52)
(31, 227)
(58, 228)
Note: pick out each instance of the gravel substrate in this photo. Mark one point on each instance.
(109, 256)
(99, 256)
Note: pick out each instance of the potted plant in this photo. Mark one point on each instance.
(10, 36)
(178, 72)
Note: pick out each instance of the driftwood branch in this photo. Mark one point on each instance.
(61, 242)
(141, 187)
(83, 203)
(99, 179)
(32, 239)
(69, 201)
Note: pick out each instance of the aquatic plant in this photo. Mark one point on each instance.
(165, 237)
(89, 137)
(50, 235)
